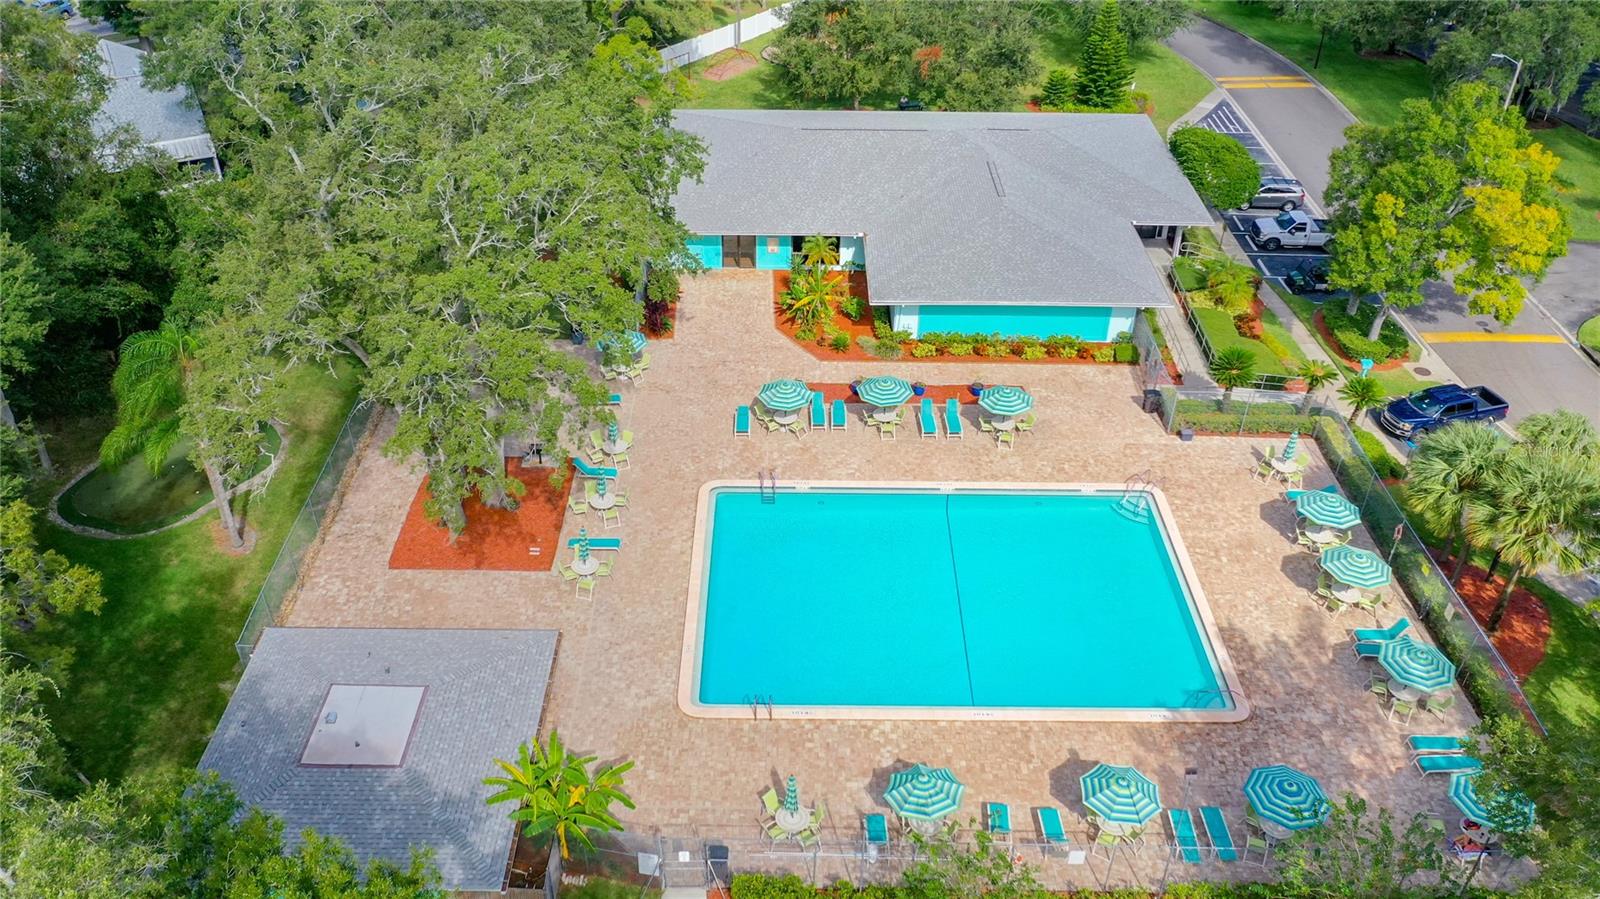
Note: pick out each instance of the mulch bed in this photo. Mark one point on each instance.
(1524, 631)
(494, 539)
(1338, 350)
(936, 392)
(672, 318)
(728, 64)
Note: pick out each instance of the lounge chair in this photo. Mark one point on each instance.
(1050, 830)
(1185, 845)
(997, 818)
(597, 543)
(952, 417)
(1439, 705)
(876, 829)
(616, 399)
(819, 412)
(1216, 825)
(1368, 649)
(1425, 744)
(1446, 764)
(840, 416)
(592, 471)
(925, 418)
(1292, 495)
(1381, 634)
(741, 421)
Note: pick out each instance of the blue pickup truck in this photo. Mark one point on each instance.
(1426, 410)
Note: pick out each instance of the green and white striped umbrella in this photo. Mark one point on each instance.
(583, 544)
(1005, 401)
(1291, 448)
(1502, 813)
(791, 795)
(1327, 509)
(1417, 664)
(1120, 795)
(884, 391)
(923, 793)
(1288, 797)
(1356, 567)
(785, 395)
(633, 340)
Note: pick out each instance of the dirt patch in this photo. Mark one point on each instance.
(729, 64)
(1524, 631)
(1338, 351)
(520, 539)
(224, 543)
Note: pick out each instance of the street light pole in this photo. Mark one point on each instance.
(1512, 87)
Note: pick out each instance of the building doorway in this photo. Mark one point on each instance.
(738, 251)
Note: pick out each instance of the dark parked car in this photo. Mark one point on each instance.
(1427, 410)
(1278, 193)
(1309, 276)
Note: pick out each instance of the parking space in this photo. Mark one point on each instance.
(1224, 118)
(1273, 264)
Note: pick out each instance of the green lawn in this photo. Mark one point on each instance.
(151, 674)
(1374, 88)
(1565, 688)
(1397, 382)
(1221, 334)
(1589, 333)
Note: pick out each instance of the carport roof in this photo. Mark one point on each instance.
(955, 207)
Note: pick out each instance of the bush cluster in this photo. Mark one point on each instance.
(1350, 332)
(1383, 462)
(1220, 168)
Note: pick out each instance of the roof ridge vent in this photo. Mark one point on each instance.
(994, 175)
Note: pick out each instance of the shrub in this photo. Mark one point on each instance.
(1276, 347)
(987, 349)
(881, 328)
(840, 342)
(1104, 353)
(853, 308)
(805, 333)
(939, 339)
(1382, 460)
(1220, 168)
(1350, 332)
(1248, 324)
(1064, 345)
(1125, 352)
(1057, 90)
(882, 349)
(959, 348)
(923, 350)
(1034, 351)
(1230, 286)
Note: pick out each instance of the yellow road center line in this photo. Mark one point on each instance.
(1480, 337)
(1262, 78)
(1251, 87)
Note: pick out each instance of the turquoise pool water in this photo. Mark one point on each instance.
(981, 599)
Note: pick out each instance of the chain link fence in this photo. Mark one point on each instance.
(285, 571)
(1483, 673)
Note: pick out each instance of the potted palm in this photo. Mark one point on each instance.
(976, 387)
(918, 388)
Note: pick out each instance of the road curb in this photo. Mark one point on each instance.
(1293, 65)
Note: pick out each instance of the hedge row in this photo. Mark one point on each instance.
(789, 886)
(1350, 332)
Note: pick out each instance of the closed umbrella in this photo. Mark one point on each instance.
(923, 793)
(1287, 797)
(884, 391)
(600, 486)
(1417, 665)
(1120, 795)
(1502, 812)
(1291, 448)
(785, 395)
(1356, 567)
(613, 433)
(1006, 402)
(791, 795)
(583, 544)
(1327, 509)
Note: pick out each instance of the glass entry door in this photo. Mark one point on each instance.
(739, 251)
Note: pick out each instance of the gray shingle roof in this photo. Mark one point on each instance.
(956, 207)
(485, 693)
(166, 120)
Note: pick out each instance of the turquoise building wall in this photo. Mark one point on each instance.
(1084, 322)
(774, 251)
(707, 249)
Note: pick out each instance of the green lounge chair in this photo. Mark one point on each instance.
(1184, 842)
(741, 421)
(1424, 744)
(1050, 830)
(952, 417)
(1446, 764)
(1440, 705)
(1216, 825)
(925, 418)
(819, 412)
(1381, 634)
(876, 828)
(840, 417)
(997, 818)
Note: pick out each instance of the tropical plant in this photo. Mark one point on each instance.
(1057, 91)
(1104, 72)
(1355, 853)
(1230, 286)
(1451, 467)
(1562, 431)
(1317, 375)
(558, 795)
(1362, 392)
(811, 295)
(152, 374)
(820, 250)
(1231, 367)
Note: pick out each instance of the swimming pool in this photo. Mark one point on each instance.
(948, 600)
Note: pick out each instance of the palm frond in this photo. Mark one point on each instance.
(158, 443)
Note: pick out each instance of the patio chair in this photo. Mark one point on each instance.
(741, 421)
(952, 417)
(1434, 825)
(997, 819)
(1369, 602)
(1381, 634)
(875, 827)
(1425, 744)
(1378, 685)
(596, 442)
(985, 425)
(819, 412)
(1216, 825)
(577, 505)
(1185, 844)
(770, 801)
(610, 518)
(620, 461)
(838, 417)
(1402, 709)
(1026, 422)
(1252, 821)
(1264, 467)
(1294, 478)
(1005, 439)
(595, 455)
(585, 588)
(886, 429)
(1051, 833)
(1440, 705)
(925, 418)
(1252, 843)
(622, 499)
(567, 574)
(605, 568)
(1106, 843)
(1446, 764)
(643, 363)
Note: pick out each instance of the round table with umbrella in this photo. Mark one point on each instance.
(1500, 813)
(1329, 510)
(632, 341)
(791, 816)
(1121, 796)
(924, 796)
(885, 392)
(1285, 799)
(784, 398)
(614, 442)
(1355, 567)
(1415, 668)
(1005, 404)
(584, 562)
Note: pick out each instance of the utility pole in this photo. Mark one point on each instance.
(1511, 88)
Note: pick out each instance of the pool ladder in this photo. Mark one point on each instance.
(768, 484)
(1135, 502)
(757, 703)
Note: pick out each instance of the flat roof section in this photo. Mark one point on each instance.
(363, 724)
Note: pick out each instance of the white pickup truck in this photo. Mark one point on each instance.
(1290, 229)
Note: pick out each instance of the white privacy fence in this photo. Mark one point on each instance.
(719, 39)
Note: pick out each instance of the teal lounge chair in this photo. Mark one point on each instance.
(1381, 634)
(616, 399)
(930, 425)
(592, 471)
(998, 816)
(1184, 842)
(1447, 764)
(877, 829)
(819, 412)
(952, 417)
(1217, 832)
(741, 421)
(1050, 828)
(839, 415)
(1423, 744)
(597, 543)
(1368, 650)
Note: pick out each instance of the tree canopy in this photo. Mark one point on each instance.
(1104, 73)
(1222, 171)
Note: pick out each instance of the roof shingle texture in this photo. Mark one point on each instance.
(485, 693)
(165, 119)
(956, 207)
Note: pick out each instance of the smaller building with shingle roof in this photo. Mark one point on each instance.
(382, 737)
(165, 120)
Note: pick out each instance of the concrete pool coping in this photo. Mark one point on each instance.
(694, 618)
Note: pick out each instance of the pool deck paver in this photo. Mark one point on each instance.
(615, 683)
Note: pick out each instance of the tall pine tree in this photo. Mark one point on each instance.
(1105, 73)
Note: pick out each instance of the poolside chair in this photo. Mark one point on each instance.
(741, 421)
(1185, 844)
(819, 412)
(1378, 685)
(1425, 744)
(952, 417)
(1252, 842)
(1292, 495)
(1106, 843)
(997, 819)
(1216, 825)
(622, 499)
(605, 568)
(1434, 825)
(875, 828)
(1440, 704)
(886, 429)
(1446, 764)
(610, 518)
(1026, 422)
(925, 418)
(796, 427)
(1369, 602)
(567, 574)
(1252, 821)
(1005, 439)
(596, 441)
(1051, 833)
(619, 461)
(615, 400)
(985, 425)
(1402, 709)
(585, 588)
(1368, 649)
(839, 417)
(1264, 469)
(1381, 634)
(592, 471)
(578, 505)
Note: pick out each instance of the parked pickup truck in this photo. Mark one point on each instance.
(1290, 229)
(1411, 417)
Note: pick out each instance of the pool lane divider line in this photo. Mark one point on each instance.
(961, 612)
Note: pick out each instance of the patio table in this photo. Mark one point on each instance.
(1275, 832)
(602, 501)
(786, 418)
(1404, 692)
(612, 447)
(925, 826)
(885, 413)
(792, 821)
(1282, 467)
(1348, 595)
(1322, 535)
(586, 567)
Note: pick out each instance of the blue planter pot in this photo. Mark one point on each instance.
(853, 390)
(918, 390)
(975, 389)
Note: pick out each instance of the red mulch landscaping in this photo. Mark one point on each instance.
(1338, 351)
(495, 539)
(672, 326)
(1525, 630)
(936, 392)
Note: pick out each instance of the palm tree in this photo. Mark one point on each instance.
(1362, 392)
(1317, 375)
(1450, 468)
(557, 794)
(820, 250)
(811, 295)
(149, 386)
(1561, 431)
(1539, 508)
(1233, 366)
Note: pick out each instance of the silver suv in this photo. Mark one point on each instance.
(1278, 193)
